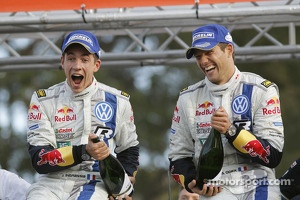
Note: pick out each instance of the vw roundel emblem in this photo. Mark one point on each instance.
(104, 111)
(240, 104)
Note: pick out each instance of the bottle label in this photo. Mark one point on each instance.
(127, 188)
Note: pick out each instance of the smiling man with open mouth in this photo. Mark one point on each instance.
(243, 107)
(80, 60)
(61, 124)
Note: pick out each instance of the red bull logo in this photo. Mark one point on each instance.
(177, 177)
(67, 115)
(176, 110)
(176, 118)
(34, 107)
(34, 112)
(65, 110)
(131, 118)
(52, 157)
(206, 108)
(255, 148)
(274, 102)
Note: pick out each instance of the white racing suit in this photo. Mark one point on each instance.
(250, 157)
(59, 123)
(12, 186)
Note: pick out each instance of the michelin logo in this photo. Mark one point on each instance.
(202, 35)
(80, 37)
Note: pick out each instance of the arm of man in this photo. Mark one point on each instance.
(46, 159)
(183, 171)
(181, 148)
(257, 149)
(126, 139)
(263, 142)
(130, 160)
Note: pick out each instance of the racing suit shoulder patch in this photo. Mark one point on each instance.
(113, 91)
(267, 83)
(192, 88)
(41, 93)
(125, 94)
(184, 89)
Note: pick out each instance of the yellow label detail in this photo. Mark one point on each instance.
(242, 139)
(67, 156)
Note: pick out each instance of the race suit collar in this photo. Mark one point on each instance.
(88, 92)
(221, 89)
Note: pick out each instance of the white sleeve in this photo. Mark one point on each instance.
(12, 187)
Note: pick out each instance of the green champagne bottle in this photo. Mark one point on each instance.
(115, 178)
(210, 159)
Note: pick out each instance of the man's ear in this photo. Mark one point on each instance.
(230, 49)
(97, 65)
(62, 61)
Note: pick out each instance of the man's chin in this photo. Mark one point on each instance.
(77, 88)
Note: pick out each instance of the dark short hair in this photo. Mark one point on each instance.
(223, 45)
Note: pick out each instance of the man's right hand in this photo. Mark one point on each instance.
(98, 150)
(206, 190)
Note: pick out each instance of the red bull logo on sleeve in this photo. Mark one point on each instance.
(206, 108)
(176, 117)
(177, 177)
(255, 148)
(65, 114)
(246, 142)
(274, 104)
(52, 157)
(34, 112)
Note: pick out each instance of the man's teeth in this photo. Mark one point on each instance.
(209, 68)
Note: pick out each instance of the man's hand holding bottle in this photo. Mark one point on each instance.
(98, 150)
(207, 190)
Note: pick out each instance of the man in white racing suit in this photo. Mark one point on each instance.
(61, 122)
(243, 107)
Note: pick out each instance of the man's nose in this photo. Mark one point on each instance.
(77, 64)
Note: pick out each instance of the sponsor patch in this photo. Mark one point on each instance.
(245, 142)
(34, 112)
(184, 89)
(240, 104)
(125, 94)
(205, 108)
(173, 131)
(65, 114)
(267, 83)
(277, 123)
(63, 144)
(33, 127)
(40, 93)
(104, 111)
(272, 107)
